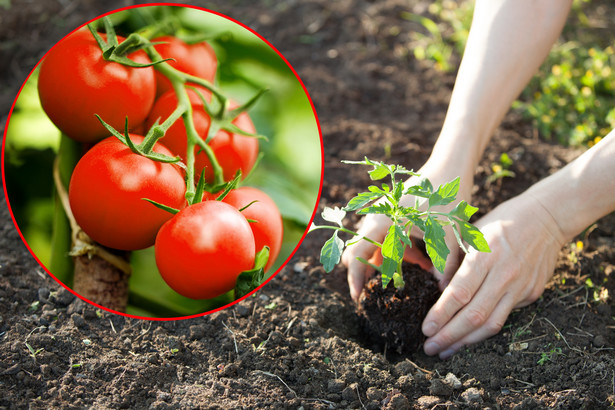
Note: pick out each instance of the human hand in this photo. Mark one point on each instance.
(524, 240)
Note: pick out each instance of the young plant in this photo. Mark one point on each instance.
(501, 169)
(386, 200)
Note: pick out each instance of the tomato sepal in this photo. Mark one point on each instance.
(138, 149)
(162, 206)
(249, 280)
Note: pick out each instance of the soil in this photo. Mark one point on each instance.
(391, 318)
(298, 343)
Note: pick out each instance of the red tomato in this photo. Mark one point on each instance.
(75, 82)
(201, 250)
(195, 59)
(268, 231)
(106, 194)
(232, 151)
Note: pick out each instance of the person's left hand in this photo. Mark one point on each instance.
(524, 240)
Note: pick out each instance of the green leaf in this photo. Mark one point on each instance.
(445, 194)
(361, 200)
(392, 247)
(384, 209)
(398, 191)
(384, 190)
(473, 237)
(435, 243)
(403, 236)
(335, 215)
(380, 171)
(388, 268)
(249, 280)
(464, 211)
(424, 189)
(331, 252)
(458, 237)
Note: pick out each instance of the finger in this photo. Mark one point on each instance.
(478, 314)
(491, 327)
(358, 271)
(456, 295)
(416, 256)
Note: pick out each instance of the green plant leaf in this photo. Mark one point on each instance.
(384, 190)
(435, 243)
(335, 215)
(445, 194)
(385, 209)
(249, 280)
(331, 252)
(392, 247)
(473, 237)
(423, 189)
(380, 171)
(402, 235)
(361, 200)
(463, 211)
(388, 268)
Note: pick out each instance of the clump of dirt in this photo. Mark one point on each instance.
(392, 318)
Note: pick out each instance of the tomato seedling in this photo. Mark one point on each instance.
(386, 200)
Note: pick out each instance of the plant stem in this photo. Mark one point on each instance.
(336, 228)
(178, 80)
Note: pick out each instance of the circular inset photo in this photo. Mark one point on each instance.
(162, 161)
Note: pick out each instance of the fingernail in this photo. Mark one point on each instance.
(447, 353)
(430, 328)
(431, 348)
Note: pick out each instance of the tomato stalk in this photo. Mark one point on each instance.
(178, 81)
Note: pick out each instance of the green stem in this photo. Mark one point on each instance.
(335, 228)
(178, 81)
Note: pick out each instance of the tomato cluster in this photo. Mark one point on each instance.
(204, 245)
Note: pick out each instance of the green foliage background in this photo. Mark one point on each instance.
(572, 97)
(290, 171)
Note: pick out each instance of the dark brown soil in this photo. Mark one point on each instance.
(299, 343)
(391, 318)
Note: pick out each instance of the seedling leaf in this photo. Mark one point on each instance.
(335, 215)
(403, 236)
(331, 252)
(473, 237)
(424, 189)
(435, 244)
(445, 194)
(361, 200)
(388, 268)
(385, 209)
(380, 171)
(392, 247)
(464, 211)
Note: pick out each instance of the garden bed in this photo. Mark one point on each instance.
(298, 341)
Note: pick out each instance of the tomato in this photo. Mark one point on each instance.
(195, 59)
(233, 151)
(268, 230)
(202, 250)
(106, 194)
(75, 82)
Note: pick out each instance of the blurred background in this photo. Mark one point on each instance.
(290, 171)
